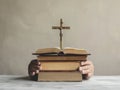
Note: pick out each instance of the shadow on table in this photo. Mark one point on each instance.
(26, 78)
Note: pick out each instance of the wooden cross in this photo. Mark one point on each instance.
(61, 27)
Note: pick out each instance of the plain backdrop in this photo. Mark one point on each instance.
(26, 25)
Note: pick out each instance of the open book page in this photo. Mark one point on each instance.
(65, 51)
(48, 51)
(69, 50)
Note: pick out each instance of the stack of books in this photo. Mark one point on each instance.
(60, 65)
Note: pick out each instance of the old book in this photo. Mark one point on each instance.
(57, 58)
(60, 66)
(55, 62)
(60, 76)
(59, 51)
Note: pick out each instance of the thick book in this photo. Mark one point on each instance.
(55, 62)
(60, 66)
(57, 58)
(65, 51)
(60, 76)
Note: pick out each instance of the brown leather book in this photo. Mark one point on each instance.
(61, 62)
(60, 76)
(63, 66)
(65, 58)
(60, 65)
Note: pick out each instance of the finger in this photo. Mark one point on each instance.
(90, 75)
(85, 67)
(40, 68)
(37, 71)
(80, 68)
(33, 68)
(86, 63)
(86, 71)
(32, 73)
(39, 63)
(36, 67)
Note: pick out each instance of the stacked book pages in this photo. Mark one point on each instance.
(60, 65)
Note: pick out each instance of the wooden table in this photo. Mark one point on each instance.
(15, 82)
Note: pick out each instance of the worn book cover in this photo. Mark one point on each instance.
(60, 76)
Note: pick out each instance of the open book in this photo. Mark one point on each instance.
(65, 51)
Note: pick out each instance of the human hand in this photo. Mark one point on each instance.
(34, 67)
(87, 69)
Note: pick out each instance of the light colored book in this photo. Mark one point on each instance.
(60, 76)
(65, 51)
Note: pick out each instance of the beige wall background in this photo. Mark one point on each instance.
(25, 25)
